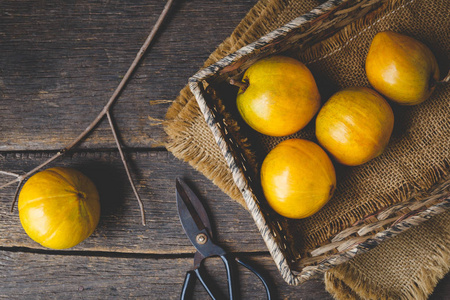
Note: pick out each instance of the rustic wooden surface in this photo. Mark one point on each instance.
(59, 63)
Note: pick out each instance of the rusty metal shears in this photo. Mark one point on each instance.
(197, 226)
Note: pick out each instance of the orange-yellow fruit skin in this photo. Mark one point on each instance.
(281, 98)
(59, 207)
(355, 125)
(298, 178)
(401, 68)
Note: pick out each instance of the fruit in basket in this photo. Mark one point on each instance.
(59, 207)
(278, 96)
(298, 178)
(355, 125)
(401, 68)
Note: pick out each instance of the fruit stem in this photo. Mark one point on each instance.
(242, 85)
(446, 78)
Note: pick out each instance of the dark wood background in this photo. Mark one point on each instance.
(60, 61)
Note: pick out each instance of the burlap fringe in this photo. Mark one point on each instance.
(185, 149)
(347, 283)
(424, 283)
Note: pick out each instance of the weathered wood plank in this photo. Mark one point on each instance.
(119, 228)
(62, 61)
(41, 276)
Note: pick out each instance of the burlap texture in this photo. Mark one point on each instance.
(405, 267)
(417, 155)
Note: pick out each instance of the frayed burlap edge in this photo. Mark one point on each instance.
(345, 282)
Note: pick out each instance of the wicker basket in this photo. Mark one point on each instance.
(210, 83)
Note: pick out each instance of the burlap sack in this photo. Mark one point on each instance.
(417, 156)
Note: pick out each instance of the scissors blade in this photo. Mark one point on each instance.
(194, 205)
(195, 220)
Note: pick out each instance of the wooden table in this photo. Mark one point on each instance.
(60, 61)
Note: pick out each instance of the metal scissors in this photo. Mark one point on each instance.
(197, 227)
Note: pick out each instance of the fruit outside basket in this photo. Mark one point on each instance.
(298, 254)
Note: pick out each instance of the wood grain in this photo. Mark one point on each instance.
(119, 228)
(41, 276)
(61, 61)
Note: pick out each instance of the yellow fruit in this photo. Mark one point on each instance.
(297, 178)
(355, 125)
(59, 207)
(280, 97)
(401, 68)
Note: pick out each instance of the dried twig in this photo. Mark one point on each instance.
(94, 123)
(141, 205)
(9, 173)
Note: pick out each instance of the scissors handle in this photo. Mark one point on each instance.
(206, 283)
(233, 284)
(266, 285)
(189, 284)
(233, 287)
(231, 276)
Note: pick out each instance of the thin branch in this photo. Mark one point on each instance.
(16, 194)
(126, 77)
(22, 177)
(141, 205)
(9, 183)
(105, 110)
(9, 173)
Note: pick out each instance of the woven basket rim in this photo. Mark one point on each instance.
(278, 33)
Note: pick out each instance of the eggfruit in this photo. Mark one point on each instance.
(401, 68)
(298, 178)
(59, 207)
(355, 125)
(279, 96)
